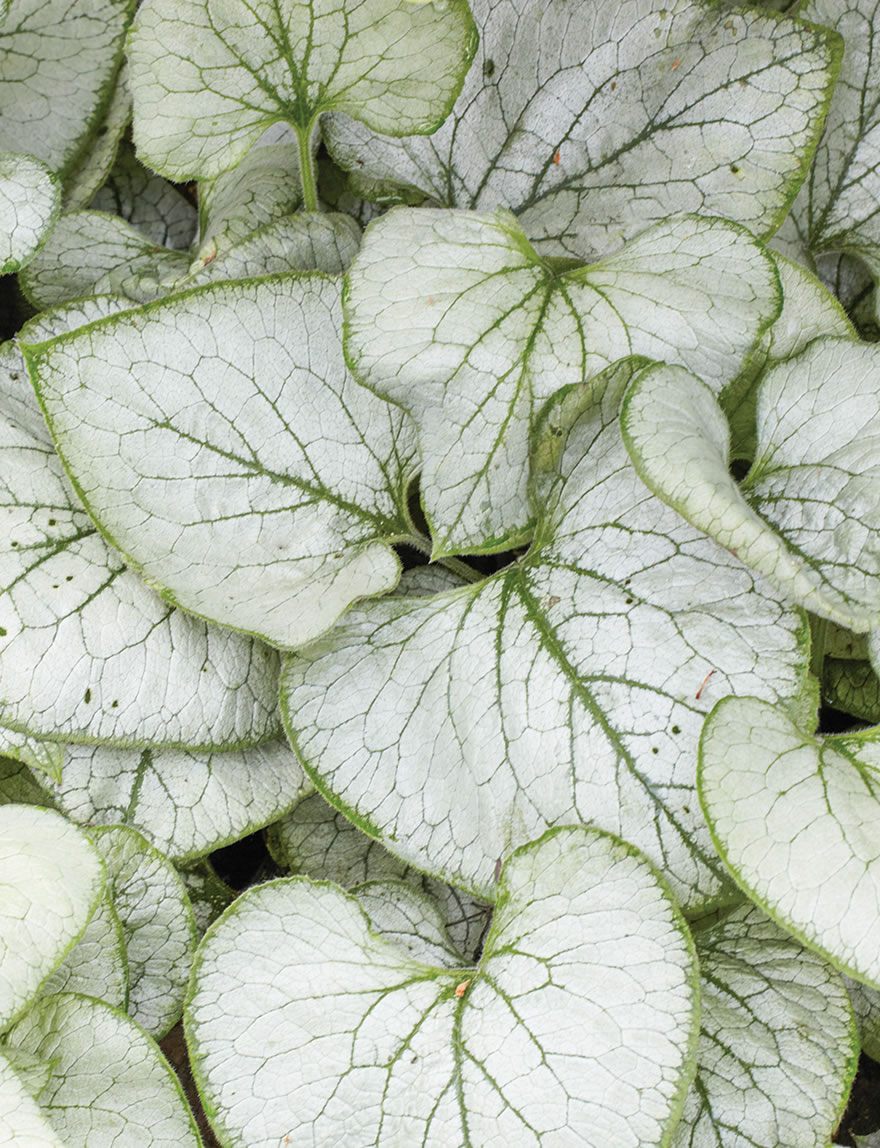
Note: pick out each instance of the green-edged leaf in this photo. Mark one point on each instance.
(41, 756)
(570, 686)
(51, 879)
(808, 311)
(778, 1047)
(590, 121)
(208, 894)
(97, 965)
(21, 1119)
(110, 1084)
(87, 652)
(837, 209)
(454, 316)
(30, 199)
(207, 83)
(303, 1023)
(808, 512)
(866, 1006)
(159, 210)
(318, 842)
(33, 1072)
(92, 253)
(59, 64)
(309, 240)
(796, 821)
(410, 920)
(186, 804)
(240, 466)
(94, 164)
(157, 920)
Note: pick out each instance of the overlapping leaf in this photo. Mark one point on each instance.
(455, 317)
(207, 82)
(30, 199)
(570, 686)
(590, 121)
(808, 513)
(578, 1021)
(796, 820)
(240, 466)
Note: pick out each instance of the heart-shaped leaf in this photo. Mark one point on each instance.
(591, 121)
(795, 819)
(454, 316)
(570, 686)
(30, 200)
(343, 1035)
(215, 474)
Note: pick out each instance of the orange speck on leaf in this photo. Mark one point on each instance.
(703, 686)
(676, 64)
(461, 989)
(556, 157)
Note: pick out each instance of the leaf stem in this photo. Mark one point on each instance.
(306, 167)
(419, 542)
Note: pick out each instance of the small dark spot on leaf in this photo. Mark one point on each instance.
(629, 601)
(654, 749)
(734, 169)
(115, 703)
(488, 68)
(69, 578)
(13, 544)
(14, 375)
(87, 697)
(52, 521)
(686, 808)
(3, 631)
(613, 84)
(676, 729)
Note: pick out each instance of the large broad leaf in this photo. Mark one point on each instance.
(570, 686)
(30, 199)
(97, 965)
(808, 513)
(240, 466)
(591, 120)
(51, 879)
(157, 922)
(778, 1048)
(186, 804)
(94, 164)
(110, 1084)
(454, 316)
(58, 66)
(87, 652)
(580, 1015)
(838, 207)
(797, 821)
(208, 82)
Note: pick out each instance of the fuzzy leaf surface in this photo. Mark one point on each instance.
(454, 316)
(530, 1047)
(30, 199)
(208, 82)
(564, 688)
(591, 121)
(239, 466)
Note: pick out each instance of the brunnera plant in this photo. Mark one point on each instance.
(447, 439)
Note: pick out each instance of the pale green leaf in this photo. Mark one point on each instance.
(157, 209)
(21, 1120)
(838, 208)
(844, 644)
(18, 786)
(185, 803)
(87, 652)
(592, 120)
(208, 82)
(778, 1046)
(97, 965)
(570, 686)
(92, 253)
(796, 820)
(318, 842)
(51, 879)
(866, 1006)
(809, 509)
(58, 66)
(33, 1072)
(157, 922)
(30, 200)
(110, 1084)
(303, 1023)
(94, 165)
(42, 756)
(852, 686)
(242, 468)
(410, 920)
(208, 894)
(454, 316)
(303, 242)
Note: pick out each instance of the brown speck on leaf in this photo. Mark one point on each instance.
(556, 157)
(497, 870)
(675, 65)
(549, 602)
(430, 299)
(461, 989)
